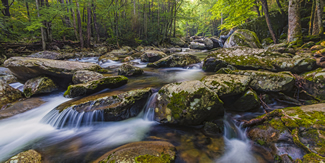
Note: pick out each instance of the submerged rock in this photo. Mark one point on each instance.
(187, 103)
(30, 156)
(129, 70)
(145, 151)
(8, 94)
(114, 107)
(152, 56)
(39, 85)
(84, 76)
(95, 86)
(61, 72)
(176, 60)
(243, 37)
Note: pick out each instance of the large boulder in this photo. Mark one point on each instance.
(247, 102)
(187, 103)
(84, 76)
(20, 107)
(314, 83)
(176, 60)
(39, 85)
(243, 37)
(208, 43)
(52, 55)
(8, 94)
(252, 58)
(145, 151)
(115, 107)
(30, 156)
(61, 72)
(152, 56)
(129, 70)
(197, 45)
(95, 86)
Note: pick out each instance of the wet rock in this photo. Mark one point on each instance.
(152, 56)
(115, 107)
(30, 156)
(177, 42)
(84, 76)
(247, 102)
(9, 79)
(108, 56)
(39, 85)
(101, 49)
(129, 70)
(8, 94)
(227, 84)
(187, 103)
(197, 45)
(61, 72)
(128, 59)
(176, 60)
(145, 151)
(20, 107)
(243, 37)
(208, 43)
(125, 50)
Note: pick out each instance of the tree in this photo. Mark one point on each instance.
(268, 21)
(294, 29)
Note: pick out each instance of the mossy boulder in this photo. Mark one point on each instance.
(152, 56)
(129, 70)
(107, 57)
(144, 152)
(243, 37)
(84, 76)
(30, 156)
(39, 85)
(298, 130)
(8, 94)
(308, 44)
(114, 106)
(46, 55)
(101, 49)
(177, 41)
(20, 107)
(247, 102)
(187, 103)
(125, 50)
(227, 84)
(317, 47)
(25, 68)
(176, 60)
(95, 86)
(314, 83)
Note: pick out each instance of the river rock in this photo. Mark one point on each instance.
(152, 56)
(7, 76)
(25, 68)
(39, 85)
(101, 49)
(125, 50)
(227, 84)
(247, 102)
(320, 57)
(95, 86)
(107, 57)
(315, 83)
(116, 107)
(243, 37)
(52, 55)
(208, 43)
(308, 44)
(252, 58)
(8, 94)
(175, 60)
(296, 131)
(145, 151)
(129, 70)
(30, 156)
(187, 103)
(197, 45)
(177, 42)
(20, 107)
(316, 47)
(84, 76)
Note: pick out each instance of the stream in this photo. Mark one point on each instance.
(82, 137)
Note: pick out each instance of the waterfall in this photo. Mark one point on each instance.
(238, 148)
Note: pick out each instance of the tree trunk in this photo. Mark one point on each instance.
(312, 17)
(95, 24)
(27, 8)
(279, 5)
(74, 22)
(268, 21)
(317, 25)
(42, 30)
(257, 9)
(5, 3)
(294, 30)
(88, 25)
(79, 26)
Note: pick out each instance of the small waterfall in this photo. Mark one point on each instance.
(238, 148)
(149, 109)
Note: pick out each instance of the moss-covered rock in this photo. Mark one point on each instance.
(141, 152)
(30, 156)
(308, 44)
(8, 94)
(39, 85)
(187, 103)
(316, 47)
(95, 86)
(25, 68)
(243, 37)
(152, 56)
(7, 76)
(176, 60)
(84, 76)
(314, 83)
(129, 70)
(108, 56)
(53, 55)
(177, 41)
(247, 102)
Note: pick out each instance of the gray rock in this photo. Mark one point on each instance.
(39, 85)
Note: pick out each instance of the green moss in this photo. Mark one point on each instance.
(178, 103)
(260, 142)
(312, 158)
(163, 158)
(277, 124)
(28, 92)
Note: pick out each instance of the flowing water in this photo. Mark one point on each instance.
(72, 136)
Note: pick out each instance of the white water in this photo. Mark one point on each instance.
(17, 85)
(26, 130)
(85, 59)
(238, 148)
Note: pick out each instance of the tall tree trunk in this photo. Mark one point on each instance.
(312, 17)
(79, 26)
(74, 22)
(174, 35)
(95, 23)
(27, 8)
(268, 21)
(257, 9)
(279, 5)
(88, 25)
(5, 3)
(317, 25)
(42, 30)
(294, 30)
